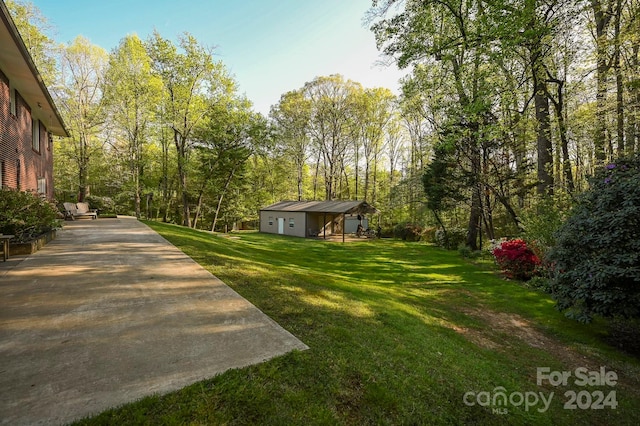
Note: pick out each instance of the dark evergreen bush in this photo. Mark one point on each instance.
(595, 264)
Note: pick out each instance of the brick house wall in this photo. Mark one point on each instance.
(24, 165)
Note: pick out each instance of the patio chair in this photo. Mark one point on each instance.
(77, 210)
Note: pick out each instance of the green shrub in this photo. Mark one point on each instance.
(451, 239)
(26, 215)
(596, 260)
(540, 282)
(466, 252)
(408, 232)
(103, 204)
(542, 221)
(429, 234)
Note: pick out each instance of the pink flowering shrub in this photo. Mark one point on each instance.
(516, 259)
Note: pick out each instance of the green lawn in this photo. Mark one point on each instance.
(398, 333)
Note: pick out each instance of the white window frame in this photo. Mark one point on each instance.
(42, 186)
(292, 222)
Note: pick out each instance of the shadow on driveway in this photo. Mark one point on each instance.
(110, 312)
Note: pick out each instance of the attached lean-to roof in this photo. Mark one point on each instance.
(334, 207)
(18, 66)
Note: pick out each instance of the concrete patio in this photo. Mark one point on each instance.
(110, 312)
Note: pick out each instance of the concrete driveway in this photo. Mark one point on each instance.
(110, 312)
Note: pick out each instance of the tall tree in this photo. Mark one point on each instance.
(292, 118)
(230, 134)
(33, 27)
(80, 95)
(632, 60)
(449, 32)
(329, 126)
(603, 12)
(372, 110)
(186, 76)
(132, 93)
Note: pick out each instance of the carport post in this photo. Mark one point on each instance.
(344, 223)
(324, 225)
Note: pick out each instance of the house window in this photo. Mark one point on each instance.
(270, 220)
(291, 222)
(42, 186)
(36, 134)
(12, 101)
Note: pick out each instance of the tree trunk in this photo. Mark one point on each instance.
(474, 218)
(564, 142)
(137, 195)
(165, 177)
(602, 18)
(83, 176)
(300, 167)
(221, 197)
(196, 216)
(634, 95)
(476, 197)
(315, 179)
(544, 146)
(83, 168)
(619, 82)
(182, 176)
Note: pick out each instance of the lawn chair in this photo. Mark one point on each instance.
(77, 210)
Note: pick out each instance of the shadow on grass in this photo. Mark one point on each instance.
(381, 320)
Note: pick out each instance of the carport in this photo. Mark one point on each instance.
(315, 218)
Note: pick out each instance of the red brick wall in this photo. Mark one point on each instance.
(22, 166)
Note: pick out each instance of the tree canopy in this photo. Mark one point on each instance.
(503, 104)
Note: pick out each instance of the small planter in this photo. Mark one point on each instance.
(32, 246)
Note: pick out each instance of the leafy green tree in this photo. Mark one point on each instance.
(372, 113)
(596, 260)
(453, 36)
(33, 28)
(80, 98)
(232, 134)
(132, 94)
(291, 116)
(332, 103)
(192, 81)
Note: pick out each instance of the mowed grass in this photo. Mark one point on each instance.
(398, 334)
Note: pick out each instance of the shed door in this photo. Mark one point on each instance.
(281, 225)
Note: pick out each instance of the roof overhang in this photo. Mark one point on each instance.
(332, 207)
(16, 63)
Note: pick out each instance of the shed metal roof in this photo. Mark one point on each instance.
(322, 207)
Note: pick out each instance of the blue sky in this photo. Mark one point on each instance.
(271, 46)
